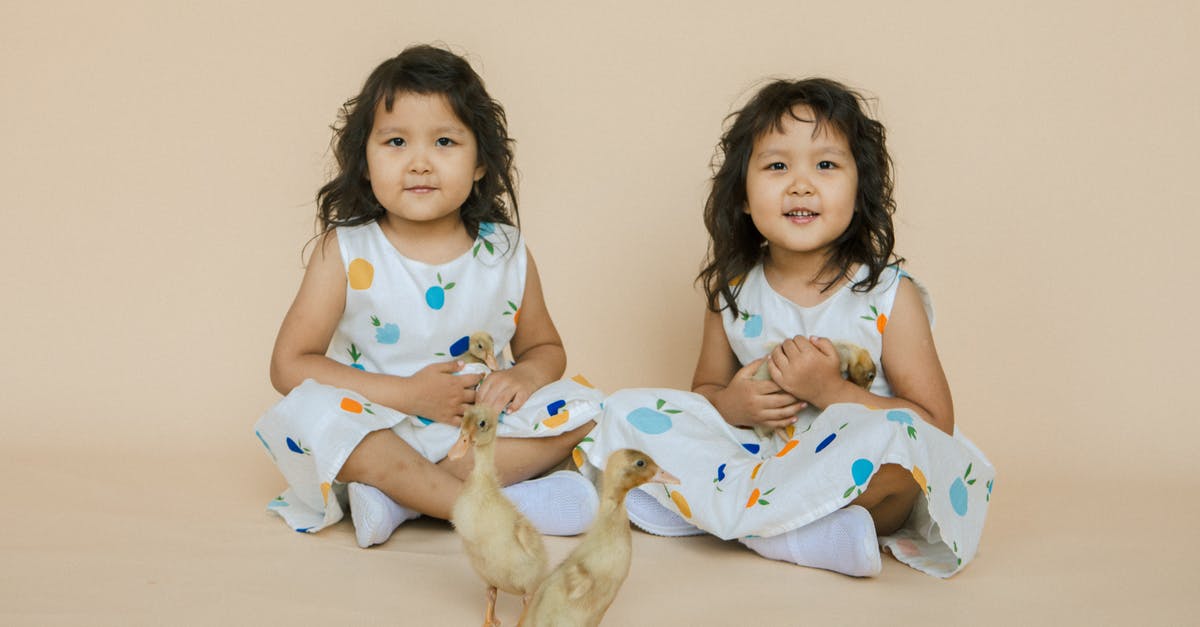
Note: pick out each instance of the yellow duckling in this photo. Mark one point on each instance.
(579, 591)
(853, 360)
(481, 350)
(503, 546)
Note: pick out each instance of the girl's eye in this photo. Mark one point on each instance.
(826, 165)
(776, 166)
(396, 141)
(445, 141)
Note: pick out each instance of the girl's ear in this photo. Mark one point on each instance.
(480, 170)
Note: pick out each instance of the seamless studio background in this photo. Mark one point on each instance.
(157, 189)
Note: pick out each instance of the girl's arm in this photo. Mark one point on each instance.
(434, 392)
(536, 347)
(810, 370)
(741, 401)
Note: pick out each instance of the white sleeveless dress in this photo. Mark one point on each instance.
(737, 484)
(400, 316)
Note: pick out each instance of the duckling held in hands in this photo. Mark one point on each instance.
(502, 545)
(579, 591)
(481, 350)
(853, 360)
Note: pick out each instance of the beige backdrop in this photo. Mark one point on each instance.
(157, 180)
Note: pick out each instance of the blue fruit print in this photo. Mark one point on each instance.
(826, 442)
(958, 497)
(650, 421)
(425, 422)
(268, 447)
(295, 447)
(752, 447)
(385, 333)
(720, 477)
(958, 491)
(486, 229)
(754, 325)
(460, 346)
(553, 408)
(277, 503)
(903, 418)
(860, 471)
(435, 296)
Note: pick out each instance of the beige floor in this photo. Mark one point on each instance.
(117, 539)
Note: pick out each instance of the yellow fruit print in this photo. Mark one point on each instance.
(325, 492)
(920, 479)
(581, 380)
(684, 509)
(754, 473)
(361, 274)
(557, 420)
(577, 454)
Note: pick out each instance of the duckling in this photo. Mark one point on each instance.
(481, 350)
(579, 591)
(502, 545)
(853, 360)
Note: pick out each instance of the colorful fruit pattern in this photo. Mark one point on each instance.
(435, 296)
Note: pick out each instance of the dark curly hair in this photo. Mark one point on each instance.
(347, 199)
(735, 245)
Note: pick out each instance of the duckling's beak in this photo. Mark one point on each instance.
(460, 447)
(663, 476)
(489, 360)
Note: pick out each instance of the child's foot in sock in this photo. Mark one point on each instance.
(375, 515)
(560, 504)
(843, 541)
(649, 515)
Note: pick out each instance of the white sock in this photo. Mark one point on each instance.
(375, 515)
(843, 541)
(560, 504)
(649, 515)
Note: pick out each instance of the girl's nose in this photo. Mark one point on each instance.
(419, 163)
(800, 186)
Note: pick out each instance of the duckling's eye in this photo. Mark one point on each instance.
(482, 424)
(871, 377)
(640, 463)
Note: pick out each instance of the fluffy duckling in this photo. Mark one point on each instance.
(853, 360)
(579, 591)
(502, 545)
(481, 350)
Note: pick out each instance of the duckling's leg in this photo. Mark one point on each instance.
(489, 618)
(525, 601)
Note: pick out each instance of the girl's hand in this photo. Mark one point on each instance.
(506, 390)
(807, 368)
(749, 403)
(438, 394)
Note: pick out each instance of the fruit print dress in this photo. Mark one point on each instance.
(737, 484)
(400, 316)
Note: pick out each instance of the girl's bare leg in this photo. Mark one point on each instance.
(386, 462)
(889, 498)
(518, 459)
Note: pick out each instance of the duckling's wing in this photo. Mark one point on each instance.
(530, 540)
(578, 580)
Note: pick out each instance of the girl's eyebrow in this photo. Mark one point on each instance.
(397, 130)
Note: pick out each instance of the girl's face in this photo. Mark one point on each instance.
(421, 159)
(800, 187)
